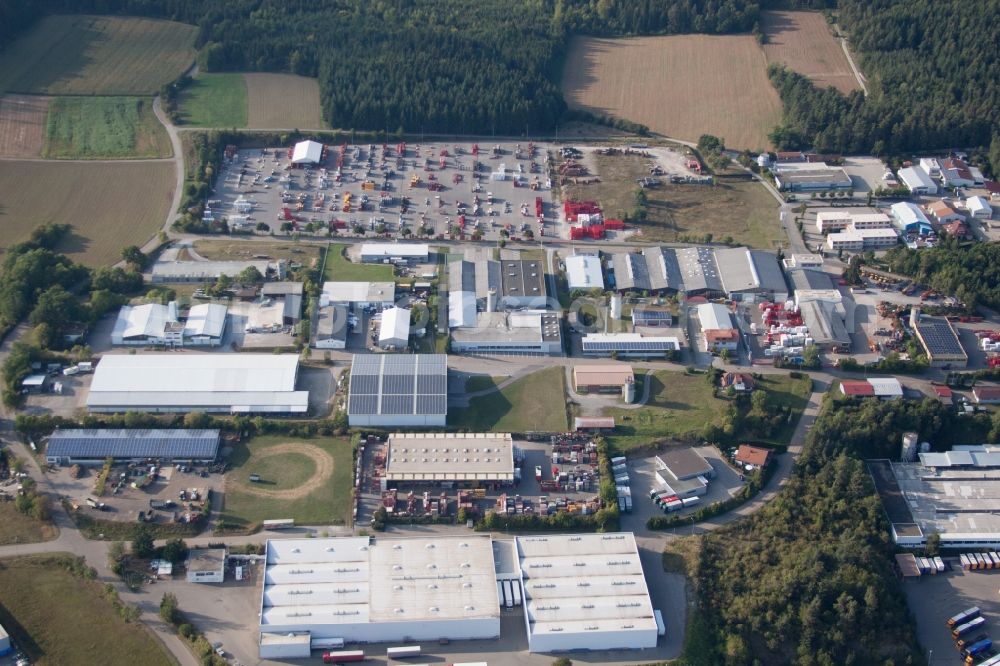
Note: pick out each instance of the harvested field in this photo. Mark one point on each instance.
(22, 125)
(104, 128)
(682, 86)
(741, 210)
(97, 55)
(215, 100)
(110, 205)
(802, 41)
(276, 101)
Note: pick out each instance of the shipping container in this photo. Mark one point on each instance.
(326, 643)
(964, 559)
(617, 459)
(996, 560)
(971, 625)
(939, 564)
(661, 628)
(343, 656)
(500, 594)
(516, 589)
(508, 595)
(403, 651)
(690, 501)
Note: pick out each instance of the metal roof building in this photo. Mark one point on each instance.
(394, 332)
(747, 272)
(435, 457)
(221, 383)
(651, 315)
(938, 338)
(92, 447)
(630, 271)
(461, 294)
(206, 324)
(157, 324)
(522, 284)
(584, 272)
(410, 252)
(602, 375)
(362, 293)
(917, 180)
(685, 463)
(377, 590)
(398, 390)
(307, 152)
(585, 592)
(523, 332)
(629, 345)
(825, 322)
(210, 271)
(715, 317)
(331, 327)
(699, 271)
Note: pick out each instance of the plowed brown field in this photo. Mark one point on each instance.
(22, 125)
(682, 86)
(802, 41)
(278, 101)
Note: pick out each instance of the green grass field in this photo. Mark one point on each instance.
(679, 406)
(15, 527)
(785, 391)
(215, 100)
(342, 269)
(104, 128)
(481, 383)
(289, 471)
(536, 402)
(58, 618)
(97, 55)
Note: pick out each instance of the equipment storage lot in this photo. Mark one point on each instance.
(641, 473)
(126, 504)
(262, 176)
(935, 598)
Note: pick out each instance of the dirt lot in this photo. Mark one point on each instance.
(109, 205)
(22, 125)
(802, 41)
(282, 101)
(682, 86)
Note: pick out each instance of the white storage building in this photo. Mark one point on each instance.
(331, 327)
(395, 252)
(524, 332)
(219, 383)
(389, 390)
(160, 325)
(307, 153)
(450, 457)
(378, 590)
(584, 272)
(359, 294)
(394, 332)
(585, 592)
(917, 180)
(979, 208)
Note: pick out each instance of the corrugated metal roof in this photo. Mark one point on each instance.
(395, 326)
(206, 319)
(714, 316)
(389, 250)
(307, 152)
(584, 272)
(124, 443)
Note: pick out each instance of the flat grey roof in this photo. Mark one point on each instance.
(824, 322)
(206, 559)
(522, 279)
(663, 268)
(699, 270)
(462, 276)
(809, 278)
(331, 322)
(684, 462)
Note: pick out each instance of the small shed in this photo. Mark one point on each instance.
(594, 423)
(35, 383)
(206, 565)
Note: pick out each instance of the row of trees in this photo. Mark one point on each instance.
(970, 273)
(808, 579)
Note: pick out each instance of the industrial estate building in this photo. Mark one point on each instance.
(917, 180)
(359, 294)
(683, 472)
(603, 377)
(93, 447)
(583, 271)
(951, 493)
(290, 294)
(585, 592)
(938, 338)
(909, 218)
(161, 325)
(448, 457)
(398, 390)
(409, 253)
(377, 590)
(206, 565)
(394, 330)
(736, 273)
(522, 332)
(307, 153)
(883, 388)
(810, 177)
(522, 284)
(210, 271)
(220, 383)
(629, 345)
(717, 329)
(854, 231)
(331, 327)
(652, 316)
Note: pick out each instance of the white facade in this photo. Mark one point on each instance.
(832, 220)
(930, 166)
(394, 331)
(206, 565)
(410, 252)
(156, 324)
(381, 590)
(855, 241)
(307, 153)
(860, 221)
(917, 179)
(585, 592)
(205, 325)
(219, 383)
(358, 293)
(584, 272)
(285, 646)
(527, 332)
(979, 208)
(907, 216)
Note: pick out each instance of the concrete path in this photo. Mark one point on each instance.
(175, 141)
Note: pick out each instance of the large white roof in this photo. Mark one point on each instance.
(355, 580)
(461, 309)
(207, 319)
(196, 372)
(714, 316)
(388, 250)
(584, 583)
(584, 272)
(395, 325)
(358, 292)
(450, 457)
(307, 152)
(914, 177)
(976, 204)
(147, 320)
(907, 213)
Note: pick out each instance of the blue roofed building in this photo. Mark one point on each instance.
(910, 219)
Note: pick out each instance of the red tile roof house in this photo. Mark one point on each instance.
(957, 229)
(752, 456)
(986, 394)
(856, 388)
(740, 381)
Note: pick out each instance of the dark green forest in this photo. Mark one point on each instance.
(469, 66)
(808, 579)
(970, 272)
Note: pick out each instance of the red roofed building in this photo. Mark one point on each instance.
(740, 382)
(993, 188)
(957, 229)
(986, 394)
(752, 456)
(943, 392)
(717, 339)
(856, 388)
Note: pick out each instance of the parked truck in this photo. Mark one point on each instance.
(971, 625)
(343, 656)
(976, 649)
(94, 504)
(963, 617)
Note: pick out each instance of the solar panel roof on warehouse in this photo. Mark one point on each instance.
(175, 443)
(404, 384)
(938, 336)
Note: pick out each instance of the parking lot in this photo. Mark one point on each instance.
(935, 598)
(422, 188)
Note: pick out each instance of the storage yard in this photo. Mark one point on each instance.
(109, 205)
(682, 86)
(803, 42)
(97, 55)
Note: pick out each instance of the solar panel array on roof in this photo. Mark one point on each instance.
(938, 337)
(121, 443)
(630, 345)
(414, 384)
(642, 316)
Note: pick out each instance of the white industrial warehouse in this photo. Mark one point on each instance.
(377, 590)
(585, 592)
(220, 383)
(398, 390)
(158, 324)
(449, 457)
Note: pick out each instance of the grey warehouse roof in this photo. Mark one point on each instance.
(124, 443)
(403, 384)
